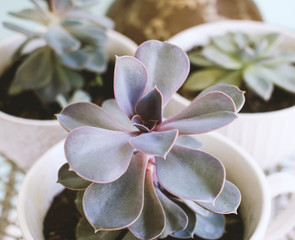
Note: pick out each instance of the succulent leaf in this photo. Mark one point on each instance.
(117, 204)
(60, 40)
(155, 143)
(149, 107)
(211, 111)
(256, 60)
(93, 115)
(70, 179)
(168, 76)
(97, 20)
(129, 84)
(112, 108)
(227, 202)
(188, 142)
(24, 78)
(234, 92)
(204, 78)
(84, 231)
(28, 33)
(98, 61)
(188, 232)
(79, 202)
(191, 174)
(217, 56)
(151, 222)
(76, 60)
(60, 7)
(31, 14)
(211, 227)
(175, 218)
(98, 155)
(258, 79)
(196, 208)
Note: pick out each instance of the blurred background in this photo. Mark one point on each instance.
(275, 12)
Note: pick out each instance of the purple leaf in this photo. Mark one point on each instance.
(137, 122)
(151, 221)
(209, 112)
(97, 154)
(155, 143)
(129, 83)
(87, 114)
(191, 174)
(112, 108)
(227, 202)
(149, 107)
(118, 204)
(167, 66)
(63, 6)
(176, 219)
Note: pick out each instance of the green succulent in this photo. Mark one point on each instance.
(72, 39)
(237, 58)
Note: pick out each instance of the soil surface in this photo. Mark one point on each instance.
(28, 105)
(62, 218)
(279, 100)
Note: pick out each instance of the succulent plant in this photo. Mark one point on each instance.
(237, 58)
(72, 39)
(133, 169)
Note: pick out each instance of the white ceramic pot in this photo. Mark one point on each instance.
(40, 187)
(269, 137)
(24, 140)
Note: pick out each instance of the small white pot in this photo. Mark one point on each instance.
(40, 187)
(269, 137)
(24, 140)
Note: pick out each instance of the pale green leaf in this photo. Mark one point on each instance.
(196, 58)
(31, 14)
(202, 79)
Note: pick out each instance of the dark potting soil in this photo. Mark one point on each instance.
(62, 218)
(28, 105)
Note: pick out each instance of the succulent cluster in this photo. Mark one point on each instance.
(133, 169)
(235, 58)
(72, 39)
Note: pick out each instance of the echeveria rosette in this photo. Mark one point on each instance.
(74, 40)
(237, 58)
(139, 170)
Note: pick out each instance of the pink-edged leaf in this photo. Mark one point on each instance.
(210, 227)
(227, 202)
(209, 112)
(176, 219)
(70, 179)
(118, 204)
(84, 231)
(151, 221)
(149, 107)
(167, 66)
(195, 207)
(63, 6)
(112, 108)
(137, 122)
(129, 83)
(232, 91)
(191, 174)
(155, 143)
(188, 232)
(87, 114)
(98, 155)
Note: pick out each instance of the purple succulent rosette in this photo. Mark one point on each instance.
(139, 171)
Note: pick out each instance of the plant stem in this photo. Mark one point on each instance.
(50, 5)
